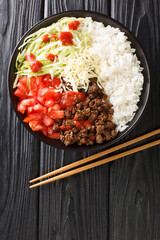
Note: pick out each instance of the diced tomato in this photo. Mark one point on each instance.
(66, 38)
(82, 123)
(29, 102)
(57, 97)
(33, 83)
(35, 125)
(73, 25)
(47, 93)
(56, 114)
(68, 99)
(49, 102)
(23, 79)
(47, 80)
(32, 93)
(22, 86)
(48, 121)
(56, 82)
(45, 38)
(56, 107)
(40, 99)
(79, 124)
(35, 66)
(30, 57)
(32, 116)
(55, 135)
(65, 128)
(52, 57)
(21, 108)
(39, 108)
(50, 93)
(20, 94)
(40, 82)
(44, 105)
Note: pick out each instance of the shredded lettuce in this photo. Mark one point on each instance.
(75, 63)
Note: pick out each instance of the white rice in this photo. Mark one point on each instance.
(120, 71)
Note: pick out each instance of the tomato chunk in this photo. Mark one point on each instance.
(55, 135)
(23, 79)
(65, 128)
(49, 102)
(35, 125)
(47, 93)
(56, 107)
(32, 116)
(50, 93)
(39, 98)
(39, 108)
(23, 87)
(82, 123)
(56, 82)
(33, 83)
(48, 121)
(20, 94)
(45, 38)
(66, 38)
(56, 114)
(29, 102)
(70, 98)
(52, 57)
(30, 57)
(73, 25)
(35, 66)
(21, 108)
(40, 82)
(32, 93)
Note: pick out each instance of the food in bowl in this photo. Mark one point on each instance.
(78, 81)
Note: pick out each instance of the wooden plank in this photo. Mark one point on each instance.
(77, 207)
(19, 151)
(135, 180)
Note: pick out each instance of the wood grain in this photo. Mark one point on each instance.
(19, 151)
(134, 182)
(116, 202)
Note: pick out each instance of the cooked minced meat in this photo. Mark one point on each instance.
(97, 111)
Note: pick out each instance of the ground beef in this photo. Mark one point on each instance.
(96, 110)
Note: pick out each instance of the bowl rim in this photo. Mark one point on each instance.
(90, 147)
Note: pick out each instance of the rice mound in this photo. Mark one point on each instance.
(120, 72)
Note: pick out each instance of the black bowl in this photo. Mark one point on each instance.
(106, 21)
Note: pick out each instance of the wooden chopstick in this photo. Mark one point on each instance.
(95, 164)
(70, 166)
(98, 155)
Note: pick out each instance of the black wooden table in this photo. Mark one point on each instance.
(117, 201)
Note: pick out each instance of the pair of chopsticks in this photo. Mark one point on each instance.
(95, 156)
